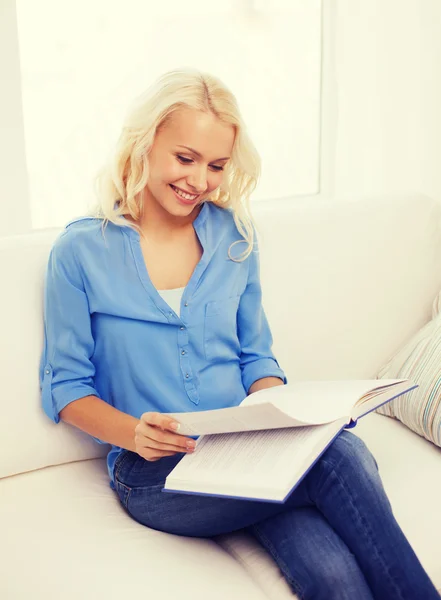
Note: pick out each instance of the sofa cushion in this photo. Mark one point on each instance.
(408, 467)
(67, 527)
(420, 361)
(68, 537)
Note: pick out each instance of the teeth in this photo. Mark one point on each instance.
(183, 194)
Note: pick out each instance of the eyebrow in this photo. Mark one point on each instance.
(199, 154)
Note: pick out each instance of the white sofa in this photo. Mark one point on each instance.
(346, 282)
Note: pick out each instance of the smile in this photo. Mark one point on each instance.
(183, 194)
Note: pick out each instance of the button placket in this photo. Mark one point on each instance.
(185, 364)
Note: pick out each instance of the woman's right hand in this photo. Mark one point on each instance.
(155, 437)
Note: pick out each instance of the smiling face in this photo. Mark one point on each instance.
(181, 178)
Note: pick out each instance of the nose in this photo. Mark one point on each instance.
(197, 180)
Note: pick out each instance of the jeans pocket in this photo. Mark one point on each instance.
(121, 460)
(220, 328)
(123, 492)
(123, 464)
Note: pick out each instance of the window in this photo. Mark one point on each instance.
(84, 61)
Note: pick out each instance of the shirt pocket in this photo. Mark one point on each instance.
(221, 341)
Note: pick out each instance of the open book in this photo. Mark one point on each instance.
(264, 447)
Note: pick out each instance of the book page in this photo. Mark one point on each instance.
(319, 401)
(237, 418)
(381, 397)
(272, 459)
(380, 390)
(293, 405)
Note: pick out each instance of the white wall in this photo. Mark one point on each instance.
(77, 88)
(381, 100)
(15, 210)
(380, 105)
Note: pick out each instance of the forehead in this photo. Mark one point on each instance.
(202, 131)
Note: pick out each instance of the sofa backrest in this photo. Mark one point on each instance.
(345, 283)
(28, 439)
(348, 281)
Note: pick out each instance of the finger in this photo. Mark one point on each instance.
(160, 420)
(151, 443)
(170, 439)
(149, 436)
(153, 437)
(155, 457)
(164, 437)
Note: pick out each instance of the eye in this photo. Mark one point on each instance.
(184, 160)
(187, 161)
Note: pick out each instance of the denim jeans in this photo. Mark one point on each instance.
(335, 537)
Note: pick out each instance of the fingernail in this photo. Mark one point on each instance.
(175, 426)
(191, 445)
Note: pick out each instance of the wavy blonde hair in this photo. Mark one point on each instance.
(118, 184)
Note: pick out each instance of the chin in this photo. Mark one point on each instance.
(179, 210)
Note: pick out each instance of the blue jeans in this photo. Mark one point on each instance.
(335, 537)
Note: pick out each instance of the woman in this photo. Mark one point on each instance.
(153, 305)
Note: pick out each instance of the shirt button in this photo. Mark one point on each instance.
(47, 371)
(186, 304)
(170, 314)
(187, 375)
(182, 328)
(183, 352)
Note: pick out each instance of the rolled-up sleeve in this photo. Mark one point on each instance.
(257, 359)
(66, 371)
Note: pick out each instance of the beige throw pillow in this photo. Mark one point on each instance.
(420, 361)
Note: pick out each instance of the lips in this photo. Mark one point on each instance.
(184, 191)
(181, 198)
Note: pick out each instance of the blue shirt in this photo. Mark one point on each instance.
(109, 333)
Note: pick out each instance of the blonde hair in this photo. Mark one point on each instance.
(118, 184)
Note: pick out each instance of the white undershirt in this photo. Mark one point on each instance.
(173, 298)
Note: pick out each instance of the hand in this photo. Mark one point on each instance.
(155, 437)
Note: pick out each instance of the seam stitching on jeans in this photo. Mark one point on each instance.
(367, 528)
(280, 562)
(121, 463)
